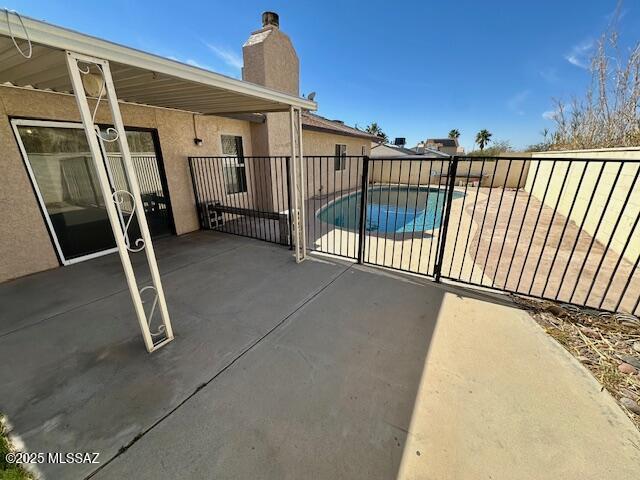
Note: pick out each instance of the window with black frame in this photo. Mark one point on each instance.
(340, 159)
(235, 177)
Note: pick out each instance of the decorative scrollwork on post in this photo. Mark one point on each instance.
(119, 198)
(161, 328)
(112, 133)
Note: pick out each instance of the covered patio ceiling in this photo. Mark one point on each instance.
(139, 77)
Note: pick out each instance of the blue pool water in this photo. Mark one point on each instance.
(390, 209)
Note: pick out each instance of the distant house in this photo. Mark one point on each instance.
(386, 150)
(449, 146)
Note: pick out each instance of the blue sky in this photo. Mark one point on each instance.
(417, 68)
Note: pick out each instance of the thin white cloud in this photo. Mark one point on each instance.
(579, 54)
(515, 102)
(549, 114)
(195, 63)
(228, 56)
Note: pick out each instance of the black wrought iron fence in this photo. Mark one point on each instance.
(247, 196)
(554, 228)
(333, 187)
(562, 229)
(406, 198)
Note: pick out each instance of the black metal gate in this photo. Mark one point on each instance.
(247, 196)
(562, 229)
(552, 228)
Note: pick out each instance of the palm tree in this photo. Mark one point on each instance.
(374, 129)
(483, 137)
(454, 134)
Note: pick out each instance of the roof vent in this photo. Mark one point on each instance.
(400, 141)
(270, 18)
(338, 121)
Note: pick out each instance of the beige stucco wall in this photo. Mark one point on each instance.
(427, 171)
(323, 179)
(600, 193)
(270, 60)
(25, 245)
(323, 143)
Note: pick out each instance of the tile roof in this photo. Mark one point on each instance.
(311, 121)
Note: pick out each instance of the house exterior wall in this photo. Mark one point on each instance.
(321, 180)
(25, 244)
(324, 143)
(565, 198)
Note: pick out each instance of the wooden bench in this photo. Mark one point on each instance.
(472, 180)
(215, 220)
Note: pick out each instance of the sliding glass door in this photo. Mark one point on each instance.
(61, 168)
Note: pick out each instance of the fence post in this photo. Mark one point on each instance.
(363, 207)
(289, 203)
(196, 194)
(444, 224)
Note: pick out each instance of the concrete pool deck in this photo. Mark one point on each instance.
(320, 370)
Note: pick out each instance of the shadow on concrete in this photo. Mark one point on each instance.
(278, 370)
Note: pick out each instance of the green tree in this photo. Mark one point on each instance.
(375, 129)
(483, 137)
(454, 133)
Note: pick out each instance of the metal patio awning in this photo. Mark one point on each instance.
(139, 77)
(42, 56)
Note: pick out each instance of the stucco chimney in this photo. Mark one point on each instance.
(270, 59)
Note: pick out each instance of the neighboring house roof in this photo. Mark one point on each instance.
(389, 150)
(428, 152)
(311, 121)
(445, 142)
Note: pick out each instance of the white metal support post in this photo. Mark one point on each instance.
(303, 209)
(114, 200)
(297, 184)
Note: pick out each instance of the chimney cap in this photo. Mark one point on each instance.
(270, 18)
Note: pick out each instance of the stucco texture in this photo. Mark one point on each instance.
(25, 243)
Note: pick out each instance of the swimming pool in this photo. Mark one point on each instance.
(390, 209)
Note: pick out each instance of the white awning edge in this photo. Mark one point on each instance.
(59, 38)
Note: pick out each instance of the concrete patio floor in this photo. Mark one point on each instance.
(320, 370)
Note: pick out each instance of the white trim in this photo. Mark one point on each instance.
(60, 38)
(140, 216)
(303, 210)
(119, 229)
(15, 123)
(294, 188)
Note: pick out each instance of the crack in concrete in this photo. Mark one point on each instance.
(200, 387)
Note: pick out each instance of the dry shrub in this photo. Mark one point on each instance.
(609, 113)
